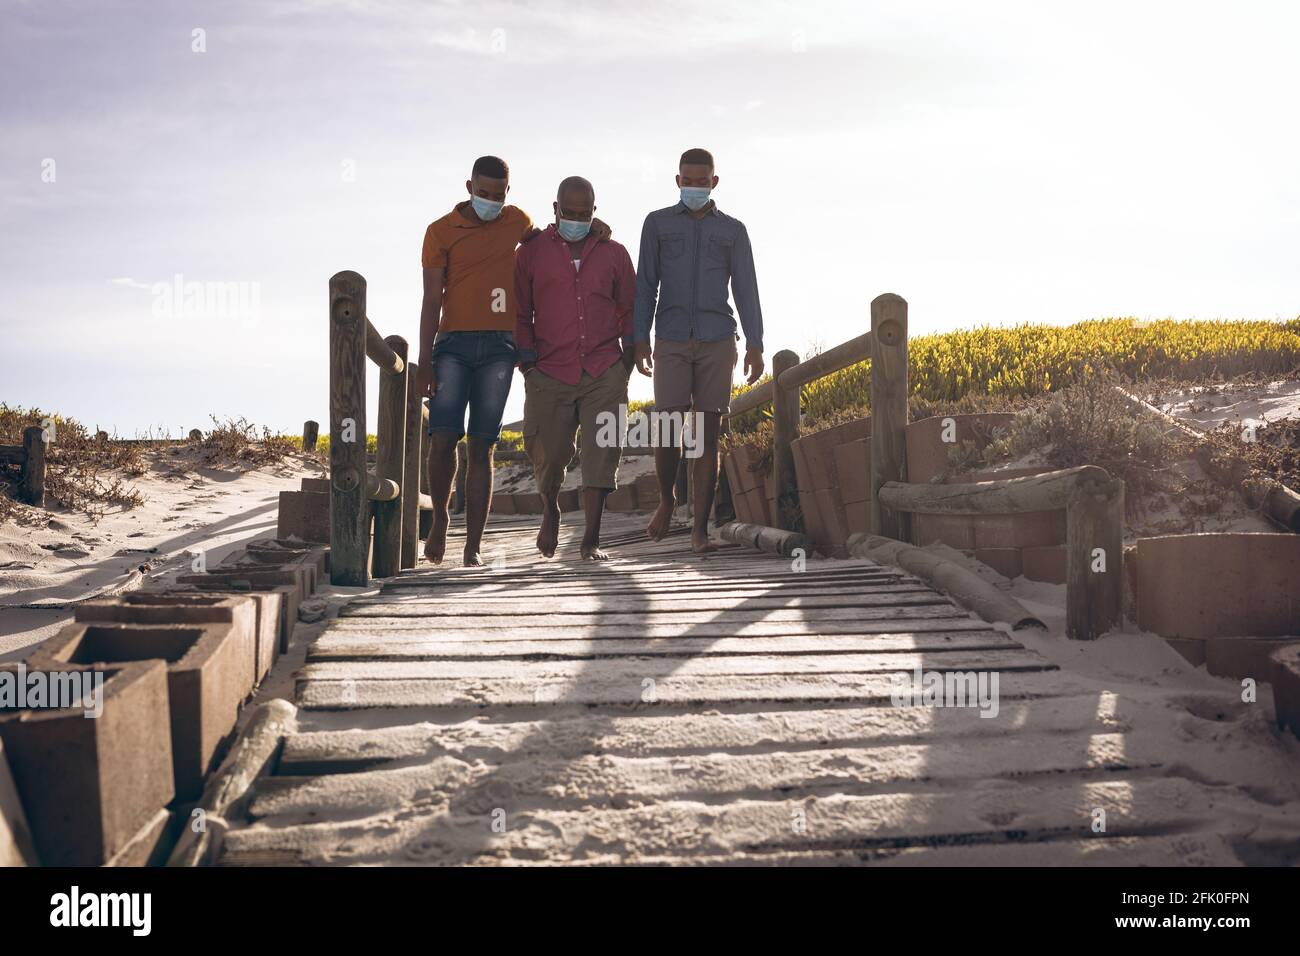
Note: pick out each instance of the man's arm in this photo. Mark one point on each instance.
(625, 302)
(430, 313)
(744, 288)
(525, 339)
(647, 294)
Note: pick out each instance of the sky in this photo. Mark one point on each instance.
(992, 163)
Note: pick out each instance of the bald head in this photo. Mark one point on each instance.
(575, 187)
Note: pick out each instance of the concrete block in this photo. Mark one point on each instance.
(274, 622)
(185, 607)
(1005, 561)
(957, 531)
(281, 551)
(1286, 686)
(835, 523)
(503, 504)
(318, 485)
(1046, 564)
(304, 515)
(858, 516)
(622, 499)
(1192, 649)
(1038, 529)
(927, 452)
(89, 785)
(853, 470)
(812, 519)
(745, 471)
(152, 843)
(647, 491)
(570, 500)
(1240, 657)
(16, 846)
(528, 503)
(205, 670)
(817, 452)
(298, 576)
(1219, 585)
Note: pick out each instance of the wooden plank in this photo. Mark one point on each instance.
(638, 586)
(603, 780)
(651, 604)
(641, 668)
(414, 630)
(683, 829)
(733, 730)
(631, 691)
(380, 649)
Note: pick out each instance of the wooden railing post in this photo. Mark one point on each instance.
(390, 462)
(1094, 573)
(310, 431)
(785, 429)
(349, 505)
(411, 468)
(33, 475)
(888, 410)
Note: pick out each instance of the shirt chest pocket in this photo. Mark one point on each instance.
(671, 246)
(719, 253)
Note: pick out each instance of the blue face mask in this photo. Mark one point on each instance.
(571, 230)
(695, 197)
(486, 209)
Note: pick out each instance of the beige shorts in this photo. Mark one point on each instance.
(695, 375)
(553, 412)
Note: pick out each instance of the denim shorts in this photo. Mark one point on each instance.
(474, 370)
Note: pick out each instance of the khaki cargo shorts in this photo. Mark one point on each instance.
(695, 375)
(553, 412)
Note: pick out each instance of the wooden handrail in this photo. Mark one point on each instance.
(1093, 501)
(356, 495)
(1046, 492)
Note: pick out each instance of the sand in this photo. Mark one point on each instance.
(189, 506)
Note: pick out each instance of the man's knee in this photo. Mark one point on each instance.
(442, 444)
(479, 450)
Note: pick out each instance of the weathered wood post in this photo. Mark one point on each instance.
(411, 468)
(310, 431)
(33, 479)
(785, 429)
(888, 409)
(349, 505)
(390, 462)
(1094, 573)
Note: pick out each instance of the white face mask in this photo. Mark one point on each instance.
(486, 209)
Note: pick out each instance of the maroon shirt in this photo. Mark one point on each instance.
(572, 321)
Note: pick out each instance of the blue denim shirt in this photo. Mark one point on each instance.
(684, 267)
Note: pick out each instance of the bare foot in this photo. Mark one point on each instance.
(548, 538)
(592, 552)
(701, 544)
(659, 523)
(436, 545)
(473, 559)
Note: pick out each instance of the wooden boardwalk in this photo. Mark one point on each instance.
(670, 708)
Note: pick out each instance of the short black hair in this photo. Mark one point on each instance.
(697, 157)
(493, 167)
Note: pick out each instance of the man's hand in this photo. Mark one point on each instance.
(629, 359)
(753, 365)
(532, 233)
(526, 367)
(600, 230)
(644, 358)
(425, 383)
